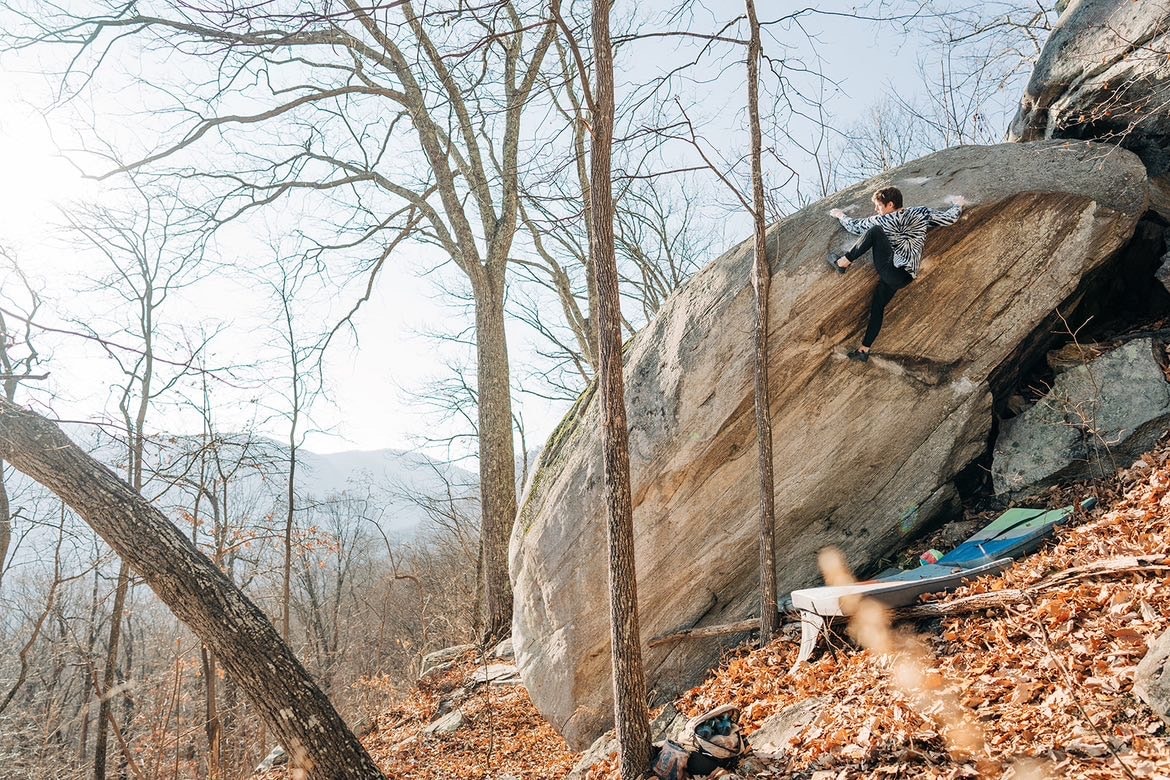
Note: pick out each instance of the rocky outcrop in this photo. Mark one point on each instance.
(1104, 74)
(864, 454)
(1097, 416)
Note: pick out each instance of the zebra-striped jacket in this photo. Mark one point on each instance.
(906, 230)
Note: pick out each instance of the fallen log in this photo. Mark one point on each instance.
(703, 632)
(1001, 599)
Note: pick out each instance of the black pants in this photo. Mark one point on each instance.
(890, 278)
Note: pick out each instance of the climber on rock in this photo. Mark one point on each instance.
(896, 237)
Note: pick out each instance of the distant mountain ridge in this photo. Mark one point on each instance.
(391, 476)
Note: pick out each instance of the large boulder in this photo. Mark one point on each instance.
(864, 453)
(1096, 417)
(1104, 74)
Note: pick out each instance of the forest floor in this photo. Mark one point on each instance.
(1035, 684)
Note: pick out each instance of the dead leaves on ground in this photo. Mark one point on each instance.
(1047, 680)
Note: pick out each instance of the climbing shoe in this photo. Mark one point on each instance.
(832, 259)
(861, 356)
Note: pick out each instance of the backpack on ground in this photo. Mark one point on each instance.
(716, 738)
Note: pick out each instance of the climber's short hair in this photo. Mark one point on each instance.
(889, 195)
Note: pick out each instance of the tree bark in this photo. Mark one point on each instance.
(497, 459)
(197, 592)
(761, 283)
(212, 726)
(5, 522)
(631, 716)
(106, 694)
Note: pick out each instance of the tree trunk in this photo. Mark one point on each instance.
(289, 520)
(629, 678)
(5, 522)
(497, 459)
(211, 723)
(761, 282)
(106, 694)
(196, 591)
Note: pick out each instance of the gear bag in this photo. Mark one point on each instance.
(716, 737)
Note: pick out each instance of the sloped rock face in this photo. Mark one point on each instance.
(1104, 74)
(1097, 417)
(864, 454)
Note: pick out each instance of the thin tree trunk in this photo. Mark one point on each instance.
(286, 574)
(5, 523)
(629, 678)
(761, 282)
(109, 675)
(197, 592)
(497, 459)
(87, 688)
(211, 723)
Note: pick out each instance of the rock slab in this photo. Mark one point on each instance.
(1096, 418)
(864, 453)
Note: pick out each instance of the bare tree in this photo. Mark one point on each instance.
(18, 359)
(409, 123)
(196, 590)
(218, 509)
(302, 360)
(761, 283)
(154, 250)
(631, 716)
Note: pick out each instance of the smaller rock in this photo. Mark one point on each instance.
(1070, 355)
(1163, 272)
(604, 746)
(442, 659)
(503, 650)
(448, 724)
(773, 735)
(1095, 417)
(277, 757)
(496, 674)
(668, 725)
(1151, 679)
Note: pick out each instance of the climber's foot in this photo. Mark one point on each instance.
(834, 261)
(860, 355)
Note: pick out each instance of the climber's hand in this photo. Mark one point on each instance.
(957, 200)
(836, 213)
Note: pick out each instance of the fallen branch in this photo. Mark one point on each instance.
(1000, 599)
(703, 632)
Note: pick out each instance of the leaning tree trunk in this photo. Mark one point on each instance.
(197, 592)
(629, 677)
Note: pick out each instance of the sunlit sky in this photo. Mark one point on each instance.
(369, 387)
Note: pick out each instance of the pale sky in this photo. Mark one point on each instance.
(369, 408)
